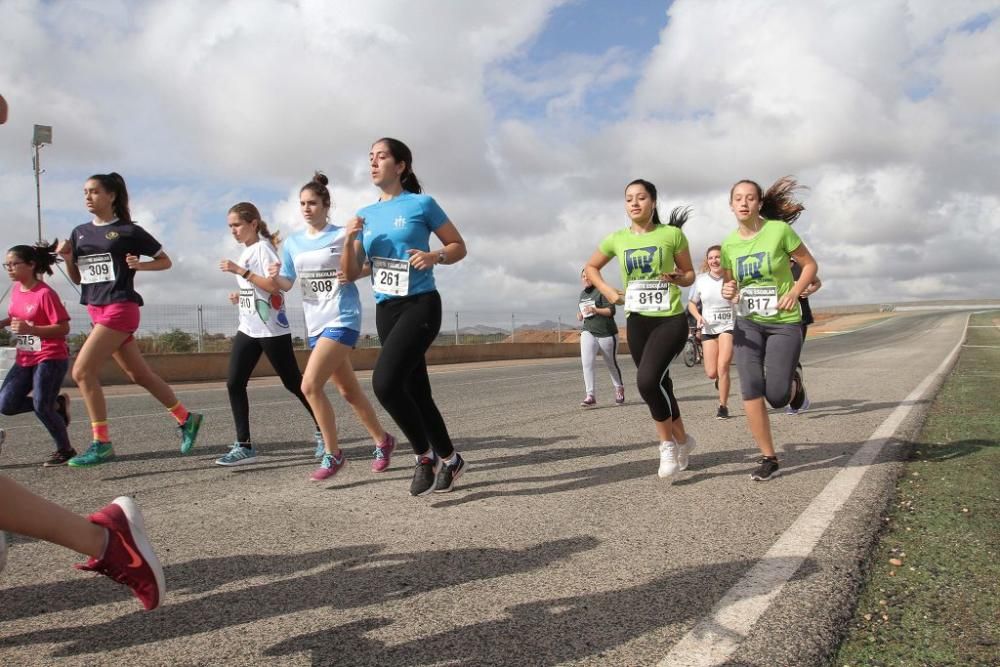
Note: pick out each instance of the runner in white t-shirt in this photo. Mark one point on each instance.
(715, 320)
(333, 319)
(263, 327)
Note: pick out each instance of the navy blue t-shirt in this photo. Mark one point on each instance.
(99, 252)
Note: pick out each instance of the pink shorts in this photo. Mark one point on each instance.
(122, 316)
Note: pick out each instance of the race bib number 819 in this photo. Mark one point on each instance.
(643, 296)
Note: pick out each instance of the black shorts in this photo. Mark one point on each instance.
(705, 336)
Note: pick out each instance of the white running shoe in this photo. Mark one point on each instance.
(683, 451)
(668, 459)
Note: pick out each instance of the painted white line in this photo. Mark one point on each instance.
(988, 347)
(717, 636)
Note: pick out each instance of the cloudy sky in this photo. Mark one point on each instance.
(526, 121)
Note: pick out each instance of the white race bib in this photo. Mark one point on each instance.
(247, 297)
(96, 269)
(761, 301)
(29, 343)
(319, 285)
(587, 303)
(391, 276)
(721, 315)
(644, 296)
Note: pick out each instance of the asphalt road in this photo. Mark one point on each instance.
(559, 546)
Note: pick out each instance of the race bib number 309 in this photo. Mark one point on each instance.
(96, 269)
(644, 296)
(391, 276)
(761, 301)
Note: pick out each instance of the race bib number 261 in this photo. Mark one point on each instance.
(391, 276)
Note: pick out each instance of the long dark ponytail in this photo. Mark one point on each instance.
(678, 216)
(779, 202)
(42, 255)
(115, 184)
(401, 153)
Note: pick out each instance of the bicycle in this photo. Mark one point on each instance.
(693, 353)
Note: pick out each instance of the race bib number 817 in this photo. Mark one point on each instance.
(761, 301)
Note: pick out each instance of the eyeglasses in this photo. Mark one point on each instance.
(10, 265)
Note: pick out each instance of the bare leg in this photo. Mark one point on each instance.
(725, 361)
(130, 359)
(100, 345)
(671, 429)
(325, 358)
(347, 384)
(760, 425)
(24, 513)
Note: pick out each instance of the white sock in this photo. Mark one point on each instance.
(453, 460)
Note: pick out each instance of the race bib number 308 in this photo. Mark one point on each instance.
(319, 285)
(96, 269)
(761, 301)
(643, 296)
(391, 276)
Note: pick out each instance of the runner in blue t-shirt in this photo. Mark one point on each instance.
(333, 320)
(394, 249)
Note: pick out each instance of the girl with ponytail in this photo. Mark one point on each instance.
(103, 257)
(263, 326)
(39, 320)
(768, 333)
(655, 263)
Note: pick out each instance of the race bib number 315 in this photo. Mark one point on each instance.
(391, 276)
(96, 269)
(644, 296)
(761, 301)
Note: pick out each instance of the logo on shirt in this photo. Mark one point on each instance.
(111, 236)
(640, 259)
(752, 266)
(399, 222)
(30, 308)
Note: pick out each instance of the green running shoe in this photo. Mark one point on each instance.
(96, 454)
(189, 431)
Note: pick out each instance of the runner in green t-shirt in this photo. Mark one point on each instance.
(755, 260)
(655, 263)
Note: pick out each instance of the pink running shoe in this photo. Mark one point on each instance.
(620, 395)
(383, 453)
(328, 467)
(588, 402)
(129, 557)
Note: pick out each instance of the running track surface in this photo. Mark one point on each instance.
(559, 546)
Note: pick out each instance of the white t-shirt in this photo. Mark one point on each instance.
(262, 315)
(718, 313)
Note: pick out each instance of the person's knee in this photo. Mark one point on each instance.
(310, 387)
(83, 374)
(778, 397)
(6, 406)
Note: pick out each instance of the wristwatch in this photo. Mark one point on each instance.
(442, 258)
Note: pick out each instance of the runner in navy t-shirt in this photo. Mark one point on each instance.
(102, 256)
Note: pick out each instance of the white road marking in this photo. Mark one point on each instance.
(716, 637)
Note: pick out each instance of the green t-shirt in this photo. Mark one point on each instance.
(761, 269)
(600, 326)
(644, 257)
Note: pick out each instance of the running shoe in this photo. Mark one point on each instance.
(129, 558)
(328, 467)
(449, 474)
(620, 395)
(684, 451)
(189, 431)
(96, 454)
(589, 401)
(59, 458)
(383, 453)
(238, 455)
(789, 410)
(668, 459)
(767, 469)
(320, 446)
(62, 407)
(722, 412)
(424, 476)
(3, 550)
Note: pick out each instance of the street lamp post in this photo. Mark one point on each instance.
(42, 136)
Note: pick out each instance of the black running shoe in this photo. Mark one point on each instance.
(722, 412)
(59, 458)
(448, 475)
(423, 476)
(768, 469)
(62, 407)
(800, 392)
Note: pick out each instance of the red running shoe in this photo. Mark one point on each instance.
(129, 557)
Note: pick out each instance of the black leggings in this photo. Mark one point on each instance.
(653, 343)
(243, 359)
(407, 326)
